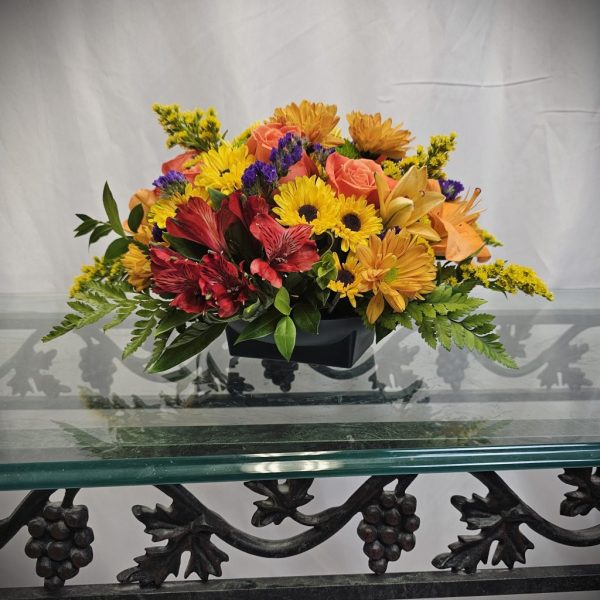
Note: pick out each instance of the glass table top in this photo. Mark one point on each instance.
(73, 414)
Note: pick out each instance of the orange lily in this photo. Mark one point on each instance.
(455, 223)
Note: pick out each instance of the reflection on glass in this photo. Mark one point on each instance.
(75, 399)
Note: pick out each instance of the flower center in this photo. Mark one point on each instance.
(390, 275)
(345, 277)
(308, 211)
(351, 221)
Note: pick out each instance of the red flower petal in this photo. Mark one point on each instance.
(198, 222)
(263, 269)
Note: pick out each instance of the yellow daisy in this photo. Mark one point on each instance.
(371, 134)
(317, 121)
(307, 200)
(137, 265)
(222, 168)
(348, 278)
(358, 221)
(242, 137)
(164, 209)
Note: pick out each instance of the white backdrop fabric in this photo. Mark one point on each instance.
(518, 81)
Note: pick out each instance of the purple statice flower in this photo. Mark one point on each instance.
(451, 188)
(320, 154)
(288, 152)
(171, 183)
(258, 174)
(157, 233)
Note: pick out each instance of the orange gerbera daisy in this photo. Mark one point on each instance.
(455, 223)
(317, 121)
(396, 269)
(372, 135)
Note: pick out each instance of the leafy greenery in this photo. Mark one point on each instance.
(261, 326)
(112, 212)
(150, 312)
(189, 343)
(135, 217)
(116, 248)
(99, 229)
(324, 270)
(92, 304)
(307, 317)
(282, 301)
(447, 317)
(285, 336)
(348, 149)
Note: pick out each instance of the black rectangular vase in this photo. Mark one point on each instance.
(339, 343)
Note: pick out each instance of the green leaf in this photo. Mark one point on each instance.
(173, 356)
(191, 333)
(324, 270)
(150, 313)
(427, 331)
(91, 305)
(348, 149)
(251, 310)
(158, 347)
(121, 314)
(83, 217)
(216, 198)
(135, 217)
(100, 231)
(173, 318)
(282, 301)
(116, 248)
(285, 337)
(443, 329)
(85, 227)
(112, 212)
(185, 247)
(307, 317)
(260, 327)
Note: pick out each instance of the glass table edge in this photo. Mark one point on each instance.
(205, 469)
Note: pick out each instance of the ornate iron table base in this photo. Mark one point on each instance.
(346, 587)
(61, 541)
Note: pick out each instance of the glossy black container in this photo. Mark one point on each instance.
(340, 342)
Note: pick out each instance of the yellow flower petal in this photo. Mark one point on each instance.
(375, 308)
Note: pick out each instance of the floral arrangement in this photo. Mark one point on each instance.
(289, 223)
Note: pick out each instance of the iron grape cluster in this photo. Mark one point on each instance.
(387, 528)
(61, 542)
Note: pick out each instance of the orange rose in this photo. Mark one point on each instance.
(305, 166)
(266, 137)
(143, 196)
(176, 164)
(355, 177)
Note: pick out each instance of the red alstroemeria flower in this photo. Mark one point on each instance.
(173, 274)
(224, 284)
(198, 222)
(245, 209)
(288, 249)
